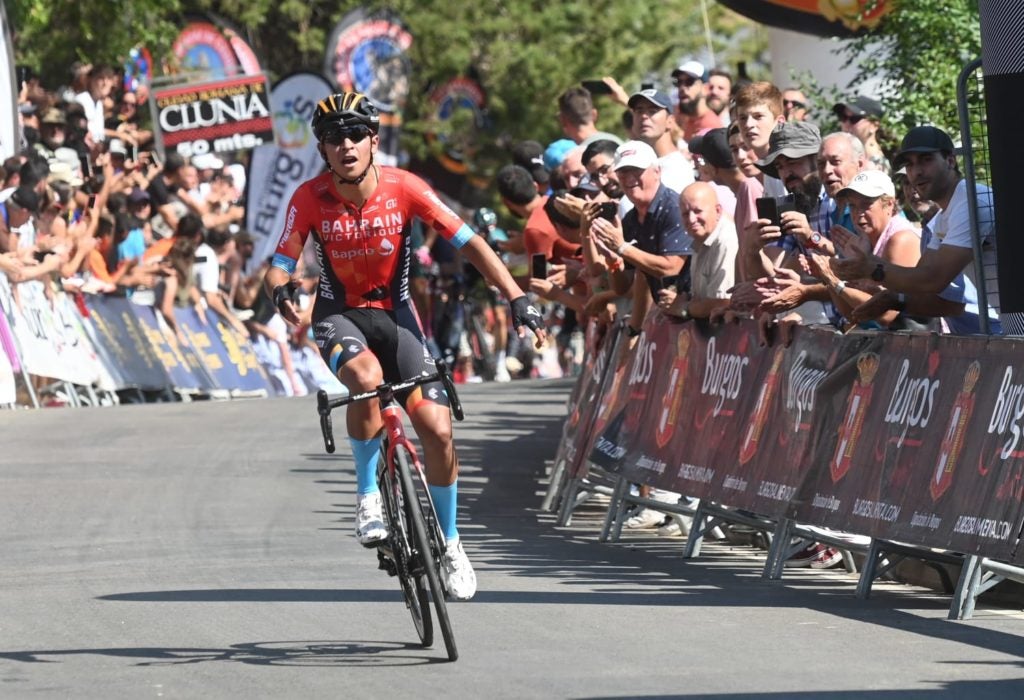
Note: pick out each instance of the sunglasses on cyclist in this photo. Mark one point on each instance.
(688, 81)
(852, 118)
(793, 104)
(355, 134)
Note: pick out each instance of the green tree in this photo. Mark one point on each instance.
(918, 51)
(524, 52)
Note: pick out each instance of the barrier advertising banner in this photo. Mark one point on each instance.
(226, 356)
(915, 438)
(277, 169)
(229, 114)
(48, 341)
(126, 343)
(586, 396)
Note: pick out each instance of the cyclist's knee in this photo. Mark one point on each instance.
(362, 373)
(433, 424)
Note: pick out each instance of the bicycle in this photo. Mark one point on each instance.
(415, 544)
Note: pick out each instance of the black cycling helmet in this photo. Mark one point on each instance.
(344, 110)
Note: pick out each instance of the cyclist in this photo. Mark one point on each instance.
(359, 215)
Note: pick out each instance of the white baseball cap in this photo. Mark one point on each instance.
(869, 183)
(694, 68)
(634, 154)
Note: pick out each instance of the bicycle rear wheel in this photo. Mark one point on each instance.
(400, 542)
(426, 550)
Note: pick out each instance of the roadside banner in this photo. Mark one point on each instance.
(910, 437)
(217, 116)
(51, 346)
(278, 168)
(226, 355)
(118, 330)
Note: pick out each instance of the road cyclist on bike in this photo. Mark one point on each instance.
(359, 214)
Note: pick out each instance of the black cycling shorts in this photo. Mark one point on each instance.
(394, 337)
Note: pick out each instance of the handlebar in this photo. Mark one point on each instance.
(325, 404)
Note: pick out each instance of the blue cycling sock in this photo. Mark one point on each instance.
(366, 453)
(446, 503)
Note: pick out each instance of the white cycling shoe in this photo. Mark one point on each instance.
(457, 572)
(370, 528)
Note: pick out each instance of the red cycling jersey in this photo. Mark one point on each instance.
(364, 252)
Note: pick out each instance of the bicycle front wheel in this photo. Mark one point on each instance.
(400, 543)
(425, 555)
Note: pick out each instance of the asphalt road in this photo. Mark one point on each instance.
(206, 551)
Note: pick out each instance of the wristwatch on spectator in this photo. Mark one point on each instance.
(815, 240)
(901, 302)
(878, 274)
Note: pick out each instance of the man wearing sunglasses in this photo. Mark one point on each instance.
(862, 117)
(694, 115)
(359, 215)
(794, 105)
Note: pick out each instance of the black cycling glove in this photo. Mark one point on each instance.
(286, 292)
(525, 314)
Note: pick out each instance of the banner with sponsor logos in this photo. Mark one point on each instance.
(117, 329)
(50, 342)
(368, 52)
(600, 348)
(277, 169)
(223, 354)
(218, 116)
(915, 438)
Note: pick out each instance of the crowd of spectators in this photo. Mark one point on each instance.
(88, 206)
(709, 200)
(720, 201)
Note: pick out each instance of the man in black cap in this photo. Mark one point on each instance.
(529, 155)
(651, 114)
(945, 267)
(717, 166)
(862, 117)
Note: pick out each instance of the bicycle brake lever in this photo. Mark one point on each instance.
(449, 387)
(324, 409)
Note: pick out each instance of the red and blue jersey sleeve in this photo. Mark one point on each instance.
(425, 204)
(297, 226)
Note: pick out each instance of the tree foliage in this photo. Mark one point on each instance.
(918, 51)
(523, 52)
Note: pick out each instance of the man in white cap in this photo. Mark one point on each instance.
(694, 114)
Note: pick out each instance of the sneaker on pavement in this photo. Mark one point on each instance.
(457, 572)
(645, 520)
(370, 527)
(677, 526)
(501, 374)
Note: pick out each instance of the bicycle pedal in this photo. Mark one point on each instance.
(386, 563)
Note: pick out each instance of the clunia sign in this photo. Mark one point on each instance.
(231, 114)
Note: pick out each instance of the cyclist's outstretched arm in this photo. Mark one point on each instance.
(494, 271)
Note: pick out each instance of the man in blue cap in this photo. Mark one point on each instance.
(651, 110)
